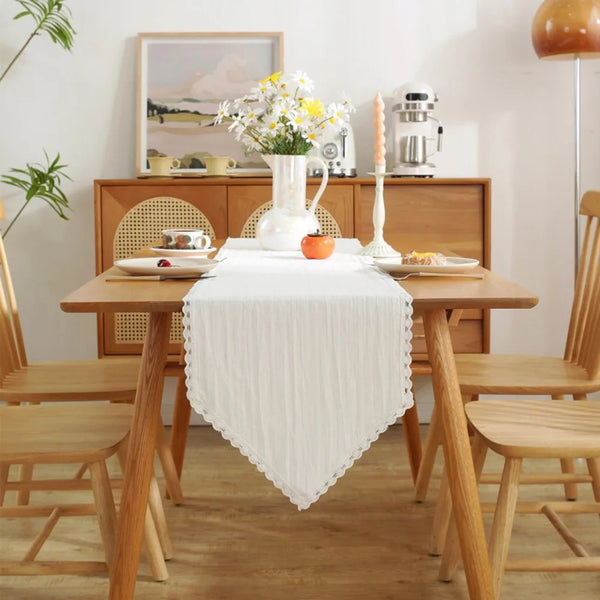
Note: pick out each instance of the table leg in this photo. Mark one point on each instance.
(457, 455)
(140, 458)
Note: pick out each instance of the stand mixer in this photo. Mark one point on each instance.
(412, 130)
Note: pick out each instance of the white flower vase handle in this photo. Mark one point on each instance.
(315, 201)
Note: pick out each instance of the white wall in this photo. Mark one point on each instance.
(507, 115)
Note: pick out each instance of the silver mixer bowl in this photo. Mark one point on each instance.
(413, 117)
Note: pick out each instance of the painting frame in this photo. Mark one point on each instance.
(181, 79)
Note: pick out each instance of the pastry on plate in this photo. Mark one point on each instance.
(424, 258)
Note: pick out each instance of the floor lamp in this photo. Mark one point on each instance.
(569, 30)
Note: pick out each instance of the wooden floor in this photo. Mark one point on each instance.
(238, 538)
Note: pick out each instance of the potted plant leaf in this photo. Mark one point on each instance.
(39, 180)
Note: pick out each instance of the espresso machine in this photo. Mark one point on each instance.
(417, 134)
(338, 151)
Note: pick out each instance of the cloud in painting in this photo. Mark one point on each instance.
(229, 80)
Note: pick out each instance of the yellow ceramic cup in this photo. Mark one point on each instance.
(162, 165)
(218, 165)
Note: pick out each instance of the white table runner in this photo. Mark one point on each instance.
(300, 364)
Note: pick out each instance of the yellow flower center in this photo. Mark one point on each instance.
(273, 78)
(313, 106)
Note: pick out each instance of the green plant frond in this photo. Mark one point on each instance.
(39, 181)
(15, 182)
(51, 16)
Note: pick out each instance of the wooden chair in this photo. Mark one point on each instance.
(533, 429)
(111, 379)
(87, 433)
(578, 373)
(515, 374)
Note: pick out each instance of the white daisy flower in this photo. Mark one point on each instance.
(303, 81)
(282, 116)
(222, 112)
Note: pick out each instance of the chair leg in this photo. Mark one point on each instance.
(593, 465)
(169, 468)
(567, 465)
(4, 467)
(504, 517)
(158, 515)
(25, 474)
(432, 443)
(105, 508)
(154, 553)
(181, 422)
(412, 437)
(441, 518)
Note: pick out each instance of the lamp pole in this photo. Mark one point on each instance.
(577, 77)
(569, 30)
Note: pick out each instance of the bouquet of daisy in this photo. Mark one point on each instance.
(281, 116)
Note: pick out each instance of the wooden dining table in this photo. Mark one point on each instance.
(433, 299)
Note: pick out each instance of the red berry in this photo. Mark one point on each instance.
(163, 262)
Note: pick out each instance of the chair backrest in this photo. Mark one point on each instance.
(143, 224)
(326, 220)
(583, 340)
(12, 346)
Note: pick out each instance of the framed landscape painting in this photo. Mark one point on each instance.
(182, 79)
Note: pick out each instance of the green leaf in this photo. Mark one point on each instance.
(51, 17)
(43, 182)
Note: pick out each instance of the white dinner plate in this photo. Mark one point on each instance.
(180, 266)
(178, 252)
(454, 264)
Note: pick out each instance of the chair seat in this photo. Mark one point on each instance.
(538, 428)
(521, 374)
(58, 433)
(108, 378)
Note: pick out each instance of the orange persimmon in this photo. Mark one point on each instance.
(317, 245)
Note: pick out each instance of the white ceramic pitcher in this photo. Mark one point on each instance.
(283, 226)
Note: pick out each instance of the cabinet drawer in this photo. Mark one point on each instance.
(426, 218)
(467, 336)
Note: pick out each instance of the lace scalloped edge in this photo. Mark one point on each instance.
(302, 502)
(305, 502)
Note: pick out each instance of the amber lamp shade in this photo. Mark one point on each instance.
(567, 29)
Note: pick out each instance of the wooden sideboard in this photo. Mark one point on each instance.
(447, 215)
